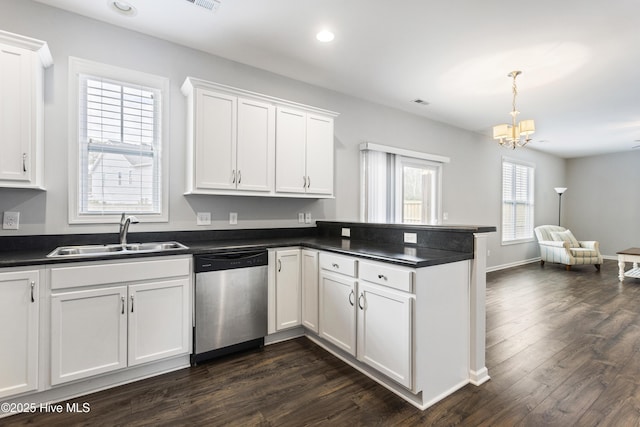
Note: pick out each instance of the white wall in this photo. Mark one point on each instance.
(471, 182)
(603, 202)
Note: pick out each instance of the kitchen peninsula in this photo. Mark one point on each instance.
(436, 286)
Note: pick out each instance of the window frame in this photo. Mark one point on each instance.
(395, 157)
(530, 202)
(78, 67)
(436, 211)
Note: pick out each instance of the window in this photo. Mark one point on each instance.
(517, 201)
(400, 186)
(117, 152)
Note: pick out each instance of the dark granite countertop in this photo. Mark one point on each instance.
(379, 242)
(410, 256)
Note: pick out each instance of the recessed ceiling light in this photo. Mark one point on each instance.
(325, 36)
(420, 101)
(123, 7)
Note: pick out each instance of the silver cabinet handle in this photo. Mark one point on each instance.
(308, 182)
(233, 176)
(350, 295)
(131, 303)
(304, 182)
(239, 177)
(122, 300)
(24, 162)
(359, 301)
(336, 266)
(382, 276)
(279, 265)
(33, 284)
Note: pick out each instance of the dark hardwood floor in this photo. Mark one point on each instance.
(562, 349)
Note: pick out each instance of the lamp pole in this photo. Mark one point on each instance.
(560, 190)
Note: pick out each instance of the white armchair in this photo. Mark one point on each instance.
(558, 245)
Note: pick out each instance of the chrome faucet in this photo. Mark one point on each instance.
(125, 221)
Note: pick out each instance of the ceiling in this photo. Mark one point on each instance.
(580, 59)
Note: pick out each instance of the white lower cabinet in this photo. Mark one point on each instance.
(19, 317)
(88, 333)
(309, 285)
(337, 310)
(385, 326)
(288, 311)
(158, 320)
(118, 324)
(372, 322)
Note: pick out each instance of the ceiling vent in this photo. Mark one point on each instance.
(212, 5)
(420, 101)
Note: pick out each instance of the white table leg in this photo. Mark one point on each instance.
(621, 268)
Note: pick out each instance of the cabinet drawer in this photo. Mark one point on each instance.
(392, 276)
(339, 264)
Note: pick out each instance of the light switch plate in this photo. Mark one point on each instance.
(346, 232)
(307, 218)
(233, 218)
(300, 217)
(11, 220)
(203, 218)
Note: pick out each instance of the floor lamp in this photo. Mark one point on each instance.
(560, 190)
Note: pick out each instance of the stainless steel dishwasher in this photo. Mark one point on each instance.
(230, 303)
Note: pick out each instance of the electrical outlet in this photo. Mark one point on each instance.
(410, 237)
(233, 218)
(307, 218)
(11, 220)
(301, 217)
(203, 218)
(346, 232)
(445, 216)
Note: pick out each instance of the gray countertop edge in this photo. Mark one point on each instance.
(405, 255)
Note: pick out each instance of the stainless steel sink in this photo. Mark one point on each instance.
(100, 250)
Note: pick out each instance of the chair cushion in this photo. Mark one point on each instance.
(583, 252)
(565, 236)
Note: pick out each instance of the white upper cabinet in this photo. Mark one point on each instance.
(22, 63)
(256, 142)
(304, 146)
(245, 143)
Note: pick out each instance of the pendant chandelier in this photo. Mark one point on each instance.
(517, 134)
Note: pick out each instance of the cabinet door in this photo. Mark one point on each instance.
(16, 76)
(88, 333)
(290, 151)
(337, 310)
(158, 320)
(215, 140)
(256, 145)
(384, 324)
(288, 310)
(319, 154)
(19, 318)
(310, 289)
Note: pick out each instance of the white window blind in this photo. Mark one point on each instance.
(120, 146)
(517, 201)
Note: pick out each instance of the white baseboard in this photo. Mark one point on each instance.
(512, 264)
